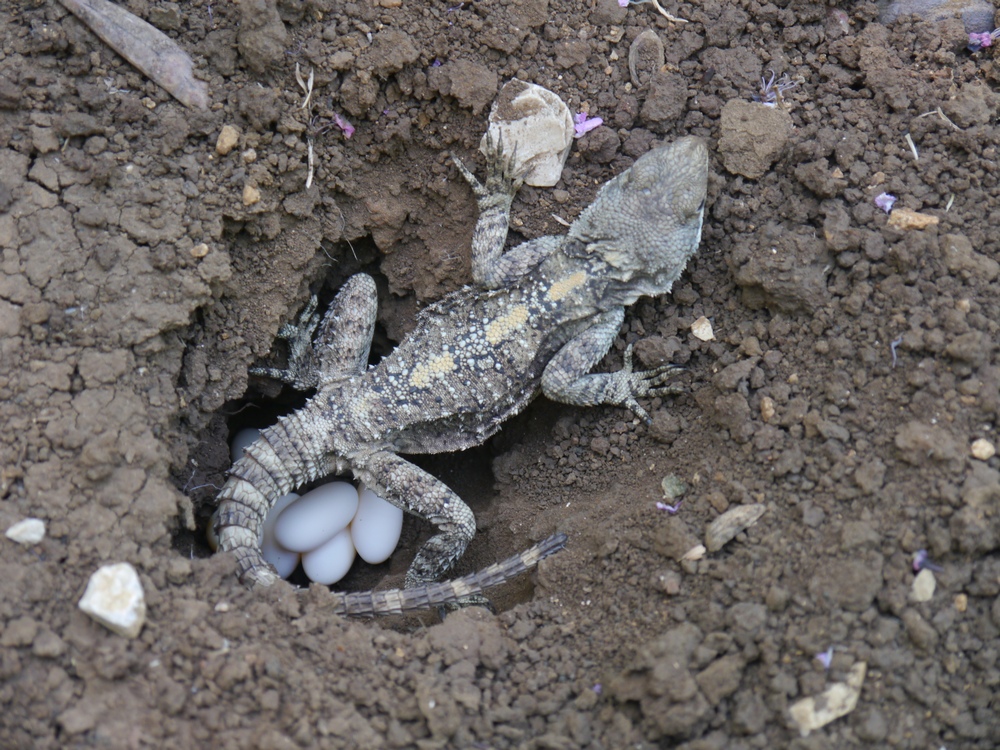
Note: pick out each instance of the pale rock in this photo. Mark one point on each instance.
(701, 329)
(729, 524)
(27, 532)
(227, 140)
(538, 124)
(983, 449)
(923, 586)
(251, 195)
(837, 700)
(114, 598)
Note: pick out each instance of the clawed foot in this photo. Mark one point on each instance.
(301, 373)
(647, 383)
(502, 177)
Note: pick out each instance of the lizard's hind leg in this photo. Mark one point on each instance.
(342, 343)
(414, 490)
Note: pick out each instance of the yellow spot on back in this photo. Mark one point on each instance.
(561, 288)
(439, 365)
(505, 326)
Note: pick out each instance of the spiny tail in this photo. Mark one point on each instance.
(397, 601)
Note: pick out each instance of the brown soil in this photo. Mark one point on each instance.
(854, 365)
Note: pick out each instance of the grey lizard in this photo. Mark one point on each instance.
(535, 320)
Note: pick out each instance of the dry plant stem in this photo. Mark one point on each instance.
(146, 47)
(666, 15)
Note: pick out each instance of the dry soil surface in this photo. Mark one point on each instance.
(853, 367)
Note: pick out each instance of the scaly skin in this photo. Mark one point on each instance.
(536, 320)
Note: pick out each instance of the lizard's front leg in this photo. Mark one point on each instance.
(491, 268)
(565, 378)
(342, 344)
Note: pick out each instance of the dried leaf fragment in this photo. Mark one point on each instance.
(145, 46)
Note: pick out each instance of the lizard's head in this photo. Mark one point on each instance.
(646, 222)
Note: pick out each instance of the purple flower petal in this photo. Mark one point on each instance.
(344, 125)
(885, 201)
(825, 658)
(583, 124)
(671, 509)
(976, 41)
(623, 3)
(922, 560)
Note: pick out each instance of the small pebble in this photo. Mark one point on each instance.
(227, 140)
(724, 528)
(923, 586)
(251, 195)
(904, 218)
(701, 329)
(695, 553)
(199, 251)
(983, 449)
(673, 487)
(767, 408)
(839, 699)
(27, 532)
(114, 598)
(667, 581)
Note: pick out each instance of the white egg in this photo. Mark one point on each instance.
(284, 561)
(316, 517)
(210, 535)
(272, 516)
(329, 563)
(241, 440)
(376, 527)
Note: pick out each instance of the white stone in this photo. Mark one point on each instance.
(983, 449)
(115, 599)
(725, 528)
(837, 700)
(923, 586)
(701, 329)
(27, 532)
(539, 124)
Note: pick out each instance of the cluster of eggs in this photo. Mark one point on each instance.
(325, 528)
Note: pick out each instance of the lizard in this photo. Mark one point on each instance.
(536, 319)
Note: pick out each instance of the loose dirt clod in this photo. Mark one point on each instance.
(145, 46)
